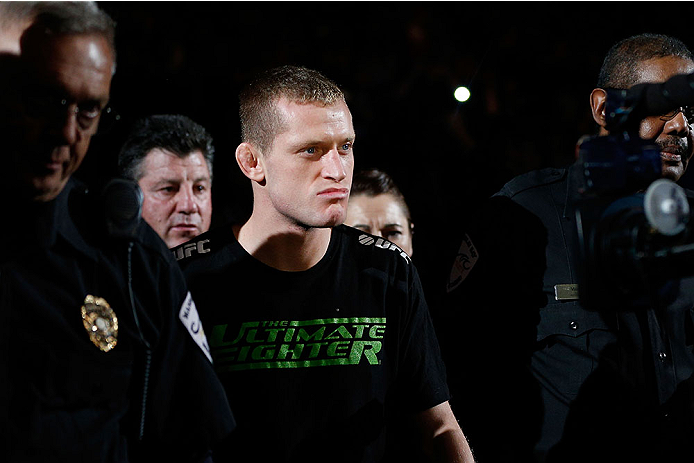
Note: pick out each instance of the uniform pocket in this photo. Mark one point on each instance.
(570, 340)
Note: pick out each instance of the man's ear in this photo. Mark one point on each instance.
(598, 100)
(248, 159)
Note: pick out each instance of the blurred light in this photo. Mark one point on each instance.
(461, 94)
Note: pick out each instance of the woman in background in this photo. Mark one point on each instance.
(377, 206)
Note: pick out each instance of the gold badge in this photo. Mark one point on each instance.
(100, 321)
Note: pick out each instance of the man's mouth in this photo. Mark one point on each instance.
(334, 193)
(672, 152)
(53, 166)
(184, 227)
(49, 163)
(670, 157)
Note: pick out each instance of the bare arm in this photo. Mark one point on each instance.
(443, 439)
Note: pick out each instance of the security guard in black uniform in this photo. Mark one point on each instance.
(103, 355)
(555, 379)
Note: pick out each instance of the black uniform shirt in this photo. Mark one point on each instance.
(154, 393)
(611, 382)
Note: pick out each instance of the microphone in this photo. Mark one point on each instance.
(122, 201)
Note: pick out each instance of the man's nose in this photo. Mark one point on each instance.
(678, 125)
(67, 126)
(185, 201)
(333, 166)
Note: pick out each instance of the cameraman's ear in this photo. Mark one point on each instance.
(598, 100)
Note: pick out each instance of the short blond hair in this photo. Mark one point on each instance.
(260, 119)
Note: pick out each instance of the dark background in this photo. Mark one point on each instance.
(529, 65)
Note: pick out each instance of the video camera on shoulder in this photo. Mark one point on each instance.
(634, 228)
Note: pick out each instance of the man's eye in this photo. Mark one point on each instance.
(87, 115)
(311, 150)
(90, 112)
(392, 233)
(346, 147)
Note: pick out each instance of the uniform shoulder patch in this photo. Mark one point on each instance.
(369, 240)
(191, 320)
(465, 259)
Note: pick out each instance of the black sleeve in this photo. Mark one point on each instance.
(422, 374)
(490, 329)
(186, 406)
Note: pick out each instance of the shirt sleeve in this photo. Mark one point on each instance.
(186, 407)
(422, 374)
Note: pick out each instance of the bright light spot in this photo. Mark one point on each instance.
(461, 94)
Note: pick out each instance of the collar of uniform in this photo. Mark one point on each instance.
(573, 196)
(40, 221)
(72, 202)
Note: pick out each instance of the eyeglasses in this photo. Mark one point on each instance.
(45, 105)
(687, 111)
(109, 118)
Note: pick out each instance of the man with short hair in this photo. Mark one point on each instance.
(170, 157)
(103, 355)
(320, 332)
(573, 380)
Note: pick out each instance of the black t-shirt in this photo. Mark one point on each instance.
(153, 394)
(315, 362)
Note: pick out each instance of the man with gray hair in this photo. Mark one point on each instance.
(170, 157)
(103, 356)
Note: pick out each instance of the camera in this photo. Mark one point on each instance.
(635, 233)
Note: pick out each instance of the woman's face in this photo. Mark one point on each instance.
(380, 215)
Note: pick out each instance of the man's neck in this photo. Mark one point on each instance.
(287, 247)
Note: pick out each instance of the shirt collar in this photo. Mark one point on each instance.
(71, 205)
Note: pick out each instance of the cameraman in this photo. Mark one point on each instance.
(558, 381)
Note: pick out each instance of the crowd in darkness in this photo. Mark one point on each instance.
(529, 66)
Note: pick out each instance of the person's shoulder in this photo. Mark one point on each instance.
(530, 181)
(215, 248)
(370, 248)
(98, 226)
(200, 246)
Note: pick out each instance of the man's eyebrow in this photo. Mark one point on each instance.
(308, 142)
(349, 139)
(164, 181)
(317, 142)
(90, 100)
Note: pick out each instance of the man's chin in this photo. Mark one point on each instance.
(47, 188)
(672, 172)
(331, 222)
(177, 239)
(336, 216)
